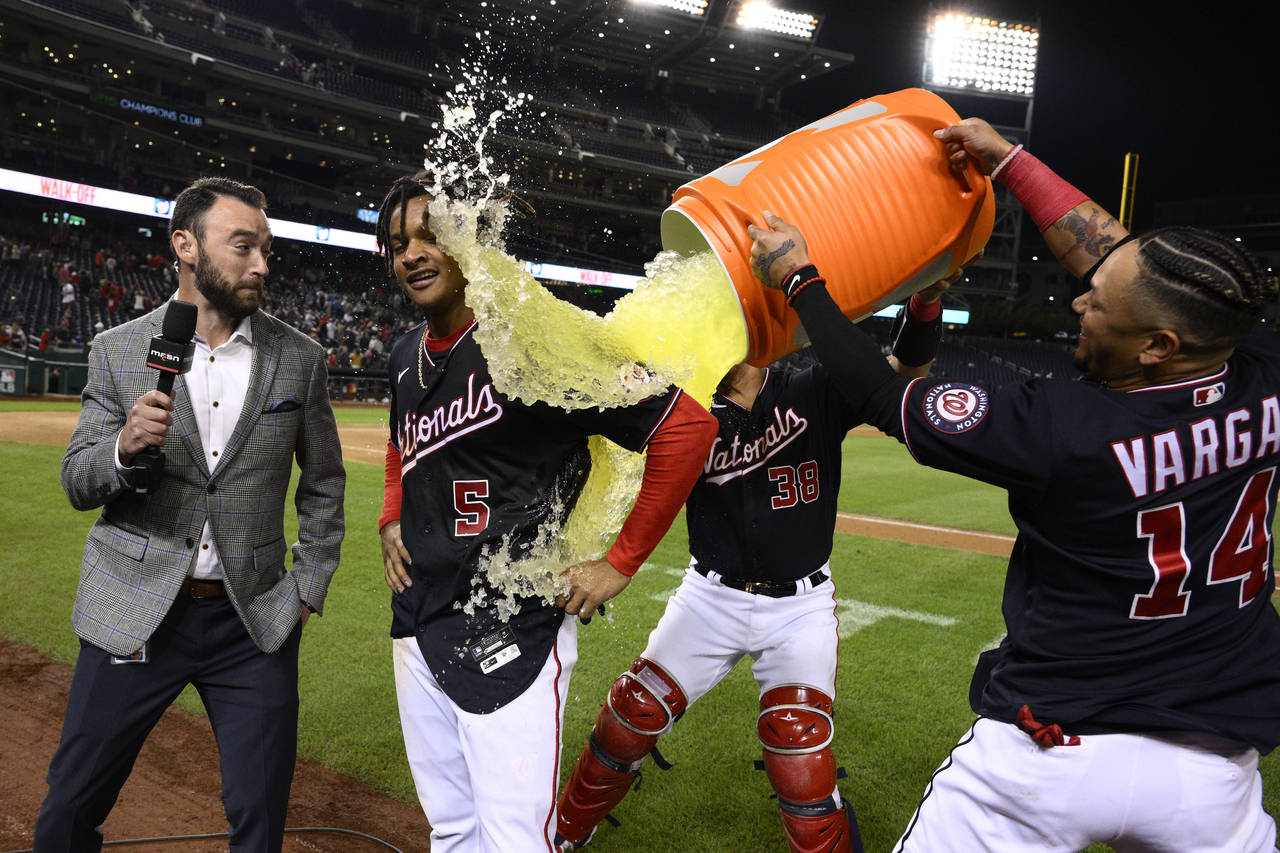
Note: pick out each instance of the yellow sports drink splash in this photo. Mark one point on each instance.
(681, 325)
(870, 188)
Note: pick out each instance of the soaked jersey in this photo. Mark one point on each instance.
(482, 472)
(1139, 590)
(774, 468)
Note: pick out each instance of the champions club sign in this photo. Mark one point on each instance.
(148, 109)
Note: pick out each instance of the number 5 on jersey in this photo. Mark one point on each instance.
(473, 512)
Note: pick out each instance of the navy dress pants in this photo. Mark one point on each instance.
(252, 701)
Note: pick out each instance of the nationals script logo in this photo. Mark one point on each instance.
(424, 434)
(738, 458)
(955, 407)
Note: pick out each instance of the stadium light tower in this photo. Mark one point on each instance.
(763, 15)
(693, 7)
(992, 62)
(985, 55)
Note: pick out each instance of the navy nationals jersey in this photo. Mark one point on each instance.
(774, 468)
(1138, 594)
(481, 472)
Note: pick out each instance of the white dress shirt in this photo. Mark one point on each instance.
(216, 386)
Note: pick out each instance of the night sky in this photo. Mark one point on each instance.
(1194, 97)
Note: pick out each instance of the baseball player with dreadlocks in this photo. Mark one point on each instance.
(1138, 681)
(471, 472)
(761, 520)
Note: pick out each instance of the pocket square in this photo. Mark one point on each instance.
(288, 404)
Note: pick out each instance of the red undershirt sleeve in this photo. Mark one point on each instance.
(674, 459)
(391, 493)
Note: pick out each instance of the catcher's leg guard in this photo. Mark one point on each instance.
(795, 729)
(643, 703)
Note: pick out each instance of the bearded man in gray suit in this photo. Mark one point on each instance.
(183, 579)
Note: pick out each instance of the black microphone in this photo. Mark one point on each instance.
(170, 353)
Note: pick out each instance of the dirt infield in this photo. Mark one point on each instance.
(174, 788)
(360, 443)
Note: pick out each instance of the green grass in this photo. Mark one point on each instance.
(30, 404)
(902, 683)
(880, 478)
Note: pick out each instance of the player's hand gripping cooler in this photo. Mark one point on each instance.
(872, 191)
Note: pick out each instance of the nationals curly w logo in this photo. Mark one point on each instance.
(955, 407)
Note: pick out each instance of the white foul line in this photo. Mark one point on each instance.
(889, 522)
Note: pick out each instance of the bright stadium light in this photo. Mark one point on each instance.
(984, 54)
(761, 15)
(693, 7)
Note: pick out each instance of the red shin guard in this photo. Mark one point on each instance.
(643, 703)
(795, 729)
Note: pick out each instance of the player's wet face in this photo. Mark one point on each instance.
(1112, 331)
(231, 257)
(430, 278)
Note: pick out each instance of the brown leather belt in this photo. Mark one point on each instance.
(194, 588)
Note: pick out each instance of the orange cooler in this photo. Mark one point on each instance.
(872, 192)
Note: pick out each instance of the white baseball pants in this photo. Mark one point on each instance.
(708, 627)
(487, 782)
(1001, 792)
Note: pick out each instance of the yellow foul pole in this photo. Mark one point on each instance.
(1127, 191)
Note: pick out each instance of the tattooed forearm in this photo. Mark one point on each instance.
(765, 262)
(1093, 235)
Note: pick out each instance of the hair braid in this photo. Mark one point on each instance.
(1215, 287)
(402, 190)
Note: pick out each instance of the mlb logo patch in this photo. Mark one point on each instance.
(955, 407)
(1206, 394)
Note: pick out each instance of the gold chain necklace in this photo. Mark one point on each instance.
(422, 348)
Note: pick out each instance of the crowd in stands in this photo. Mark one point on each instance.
(60, 289)
(59, 293)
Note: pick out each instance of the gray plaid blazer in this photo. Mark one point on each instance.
(140, 549)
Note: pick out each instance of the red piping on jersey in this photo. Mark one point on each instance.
(902, 414)
(430, 344)
(670, 407)
(555, 776)
(767, 370)
(835, 612)
(1186, 383)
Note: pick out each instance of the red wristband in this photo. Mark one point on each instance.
(1038, 188)
(924, 311)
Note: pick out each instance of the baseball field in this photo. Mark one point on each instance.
(919, 599)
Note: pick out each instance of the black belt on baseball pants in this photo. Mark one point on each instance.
(773, 589)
